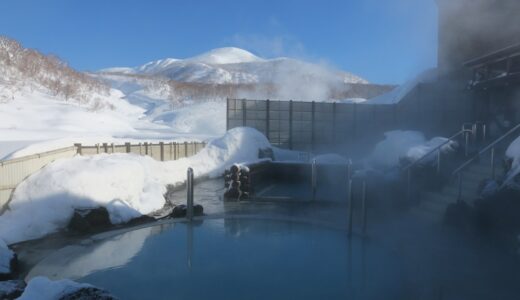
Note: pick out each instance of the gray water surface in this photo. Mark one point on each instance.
(232, 258)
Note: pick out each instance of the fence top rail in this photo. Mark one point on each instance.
(486, 149)
(75, 149)
(37, 155)
(144, 143)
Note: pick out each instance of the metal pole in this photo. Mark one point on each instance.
(364, 206)
(189, 200)
(459, 196)
(439, 162)
(350, 208)
(314, 179)
(493, 163)
(466, 150)
(484, 129)
(409, 184)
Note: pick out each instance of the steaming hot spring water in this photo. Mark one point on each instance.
(275, 248)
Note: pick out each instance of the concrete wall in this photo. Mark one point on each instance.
(14, 171)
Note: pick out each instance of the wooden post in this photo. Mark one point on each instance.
(244, 112)
(227, 114)
(140, 149)
(78, 148)
(128, 147)
(185, 149)
(171, 150)
(175, 150)
(105, 147)
(161, 145)
(146, 148)
(97, 148)
(113, 148)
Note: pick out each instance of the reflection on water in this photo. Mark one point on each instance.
(233, 259)
(77, 261)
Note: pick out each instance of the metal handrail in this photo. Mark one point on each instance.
(449, 140)
(491, 147)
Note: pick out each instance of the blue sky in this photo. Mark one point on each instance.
(384, 41)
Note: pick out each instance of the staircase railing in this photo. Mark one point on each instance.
(463, 132)
(491, 148)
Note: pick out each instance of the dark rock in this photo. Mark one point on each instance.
(11, 289)
(88, 293)
(140, 220)
(170, 190)
(198, 210)
(13, 268)
(179, 211)
(90, 220)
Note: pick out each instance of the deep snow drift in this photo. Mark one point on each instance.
(128, 185)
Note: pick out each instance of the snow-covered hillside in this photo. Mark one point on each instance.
(236, 66)
(44, 105)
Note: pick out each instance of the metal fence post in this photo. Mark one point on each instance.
(290, 124)
(314, 179)
(189, 195)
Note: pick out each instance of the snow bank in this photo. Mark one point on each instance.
(41, 288)
(409, 145)
(419, 151)
(396, 144)
(127, 185)
(513, 152)
(397, 94)
(6, 255)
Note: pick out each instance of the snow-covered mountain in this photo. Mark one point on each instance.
(236, 66)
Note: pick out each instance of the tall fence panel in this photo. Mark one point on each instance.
(431, 108)
(14, 171)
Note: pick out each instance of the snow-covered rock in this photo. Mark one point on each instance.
(513, 153)
(401, 145)
(41, 288)
(11, 289)
(7, 259)
(127, 185)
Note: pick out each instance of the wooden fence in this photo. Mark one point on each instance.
(14, 171)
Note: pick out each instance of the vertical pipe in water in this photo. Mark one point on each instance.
(439, 162)
(493, 163)
(189, 199)
(350, 207)
(313, 179)
(364, 206)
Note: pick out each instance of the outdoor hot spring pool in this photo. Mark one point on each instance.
(231, 258)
